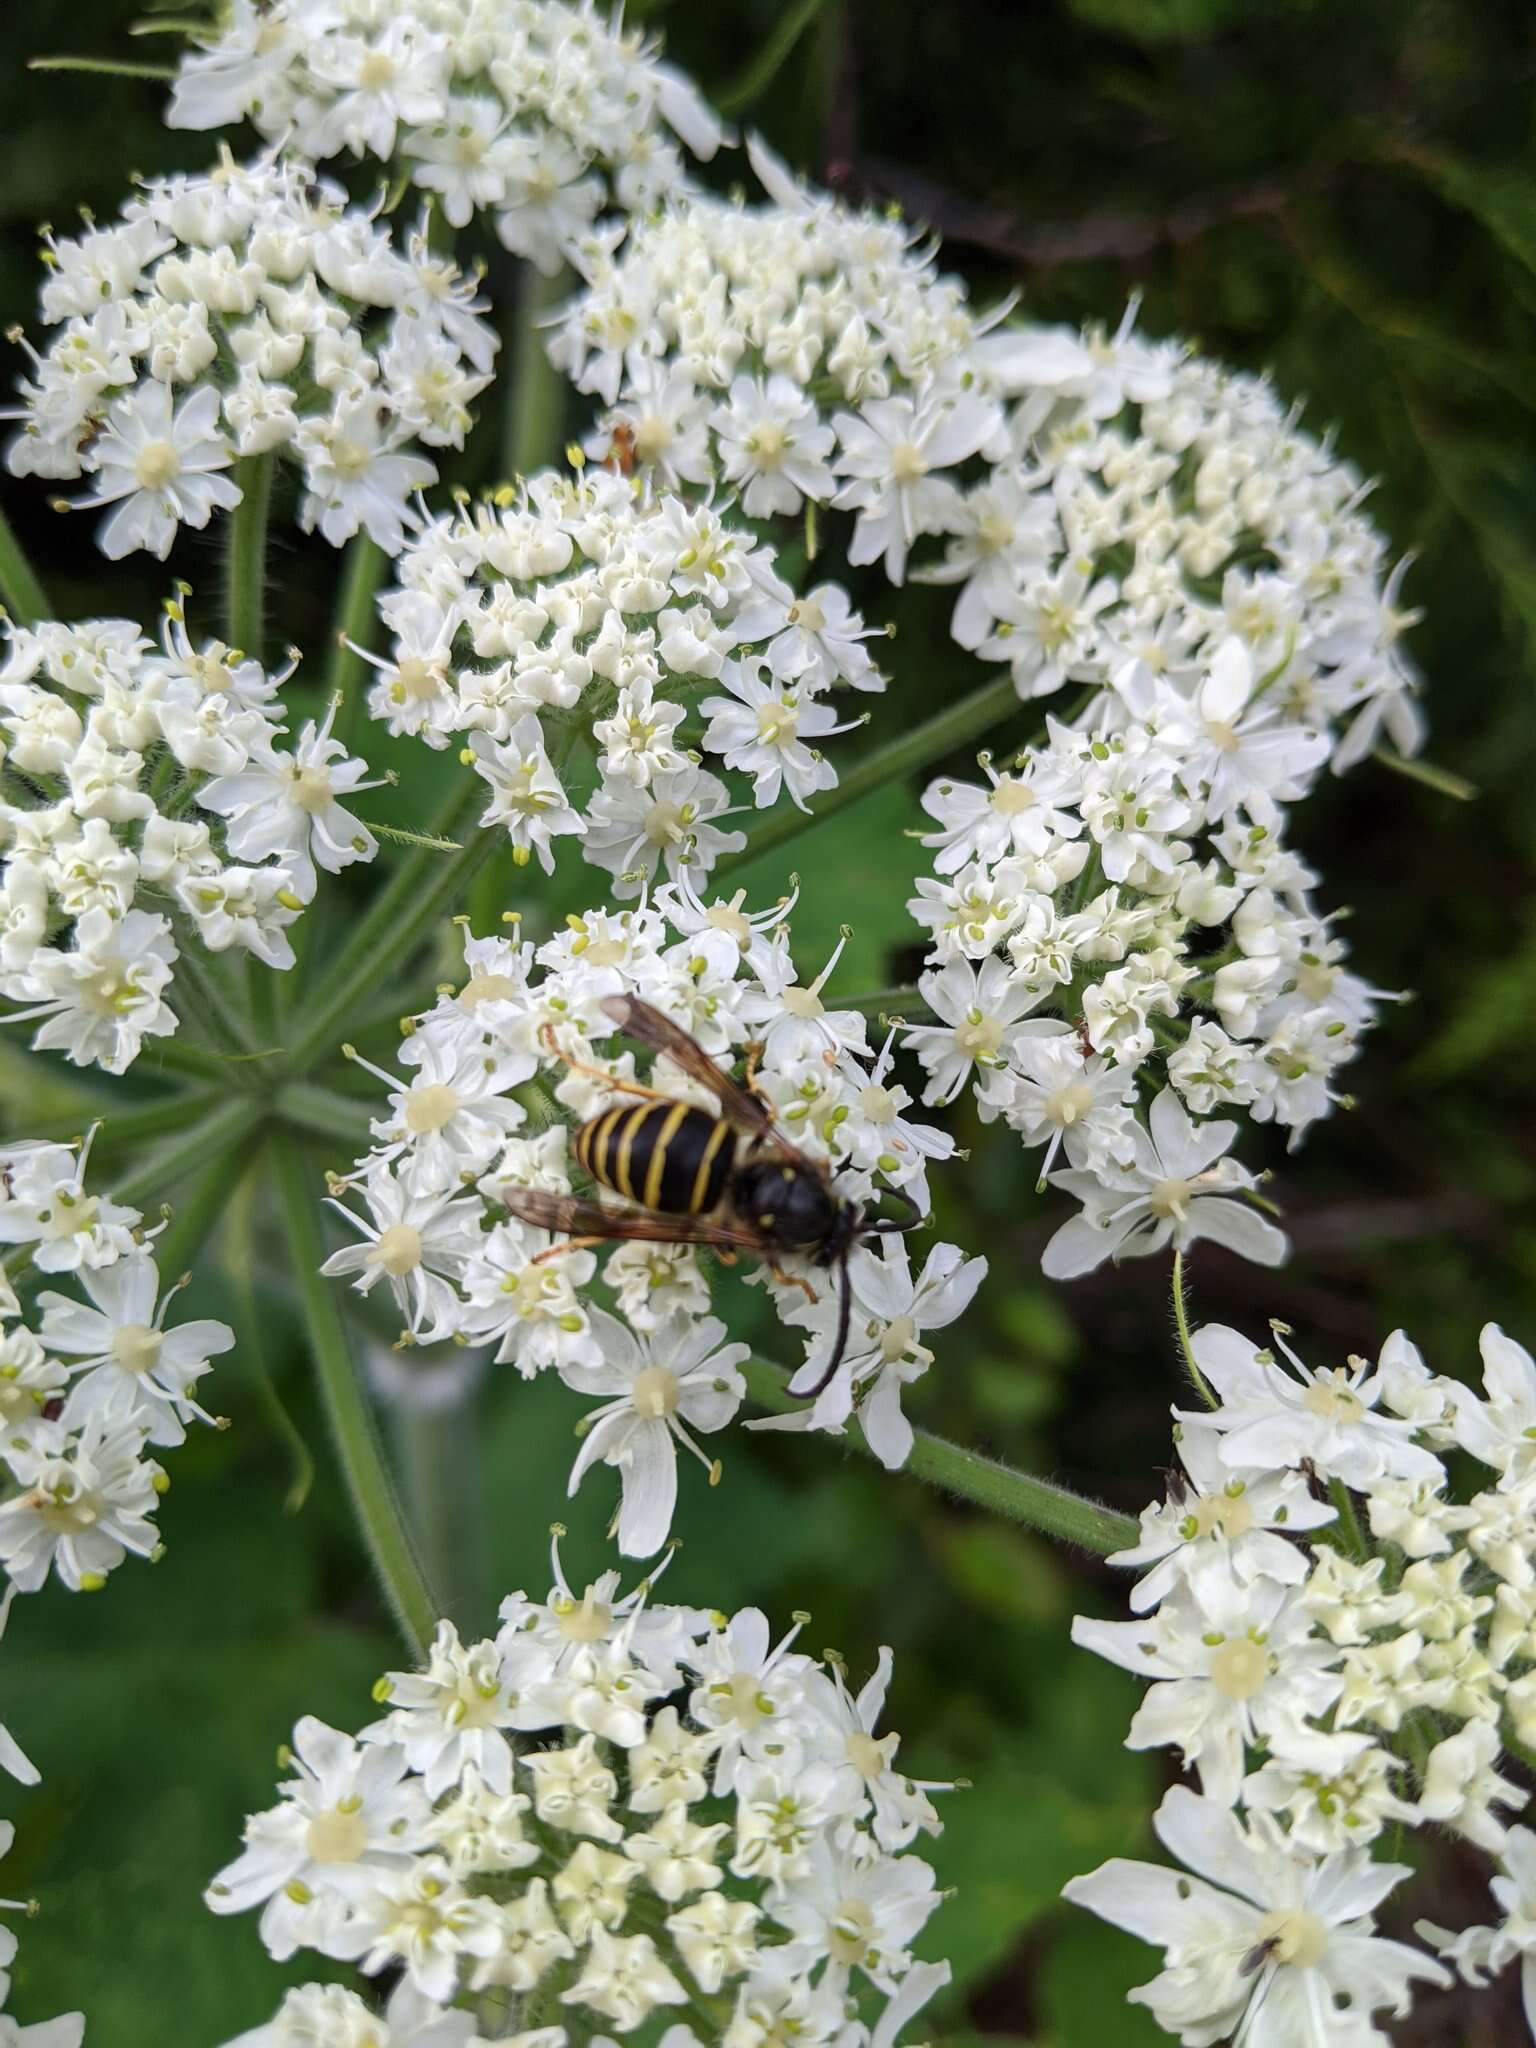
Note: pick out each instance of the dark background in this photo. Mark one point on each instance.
(1342, 193)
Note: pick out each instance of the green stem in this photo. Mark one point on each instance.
(355, 620)
(196, 1215)
(222, 1131)
(438, 1456)
(1069, 1517)
(926, 743)
(1441, 780)
(419, 892)
(19, 587)
(240, 1259)
(324, 1113)
(885, 1002)
(176, 1056)
(358, 1448)
(129, 1125)
(105, 67)
(760, 70)
(245, 567)
(212, 1007)
(534, 413)
(1349, 1521)
(1186, 1342)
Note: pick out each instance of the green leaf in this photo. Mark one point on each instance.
(154, 1711)
(755, 77)
(1088, 1970)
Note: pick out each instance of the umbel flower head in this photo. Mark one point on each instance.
(1153, 505)
(1125, 951)
(233, 313)
(168, 808)
(1340, 1647)
(619, 1807)
(794, 351)
(658, 626)
(535, 113)
(430, 1202)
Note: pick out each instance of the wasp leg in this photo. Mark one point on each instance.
(616, 1082)
(726, 1258)
(568, 1244)
(794, 1280)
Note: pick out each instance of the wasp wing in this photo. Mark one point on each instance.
(574, 1217)
(738, 1105)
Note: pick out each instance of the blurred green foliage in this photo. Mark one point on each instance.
(1342, 191)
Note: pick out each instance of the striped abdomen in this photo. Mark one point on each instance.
(664, 1155)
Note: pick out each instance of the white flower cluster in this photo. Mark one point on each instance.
(473, 1117)
(1117, 916)
(1152, 506)
(234, 313)
(794, 351)
(577, 603)
(536, 113)
(130, 772)
(68, 2030)
(1333, 1690)
(611, 1809)
(89, 1390)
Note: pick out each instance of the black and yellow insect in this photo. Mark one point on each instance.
(730, 1181)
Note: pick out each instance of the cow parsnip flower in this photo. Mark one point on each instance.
(1103, 925)
(455, 1137)
(794, 351)
(581, 605)
(155, 802)
(1276, 1948)
(739, 1844)
(1327, 1688)
(532, 112)
(235, 313)
(1154, 507)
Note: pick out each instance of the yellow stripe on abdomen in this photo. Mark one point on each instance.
(717, 1138)
(676, 1115)
(627, 1136)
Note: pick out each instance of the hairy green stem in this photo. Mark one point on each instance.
(358, 1448)
(245, 566)
(324, 1113)
(239, 1249)
(200, 992)
(196, 1215)
(1349, 1521)
(176, 1056)
(1186, 1342)
(131, 1124)
(926, 743)
(885, 1002)
(105, 67)
(760, 70)
(355, 620)
(19, 587)
(418, 894)
(1069, 1517)
(1441, 780)
(438, 1455)
(534, 410)
(225, 1129)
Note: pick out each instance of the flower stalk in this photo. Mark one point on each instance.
(1016, 1496)
(23, 594)
(245, 567)
(358, 1448)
